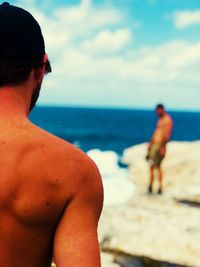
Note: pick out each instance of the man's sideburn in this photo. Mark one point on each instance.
(35, 96)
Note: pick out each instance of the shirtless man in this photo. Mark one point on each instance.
(157, 145)
(51, 193)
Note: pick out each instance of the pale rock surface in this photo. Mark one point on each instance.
(107, 260)
(159, 227)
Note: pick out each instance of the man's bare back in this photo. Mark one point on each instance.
(51, 193)
(45, 182)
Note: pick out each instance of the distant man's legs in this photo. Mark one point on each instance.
(154, 157)
(151, 178)
(160, 176)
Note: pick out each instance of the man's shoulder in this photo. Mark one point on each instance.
(73, 164)
(58, 151)
(168, 118)
(165, 119)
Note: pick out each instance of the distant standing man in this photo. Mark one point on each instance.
(50, 192)
(157, 146)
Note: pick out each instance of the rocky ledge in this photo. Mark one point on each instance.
(156, 230)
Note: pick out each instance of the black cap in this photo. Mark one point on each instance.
(20, 35)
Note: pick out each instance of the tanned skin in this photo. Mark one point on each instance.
(161, 135)
(51, 193)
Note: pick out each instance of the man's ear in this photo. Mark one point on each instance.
(40, 71)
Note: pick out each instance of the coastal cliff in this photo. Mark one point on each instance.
(156, 230)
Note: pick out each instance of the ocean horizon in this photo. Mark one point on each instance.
(112, 129)
(140, 108)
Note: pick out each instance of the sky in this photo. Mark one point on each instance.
(120, 53)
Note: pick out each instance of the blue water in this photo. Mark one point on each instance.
(111, 129)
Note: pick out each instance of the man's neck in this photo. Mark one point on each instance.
(14, 101)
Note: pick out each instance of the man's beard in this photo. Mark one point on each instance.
(35, 96)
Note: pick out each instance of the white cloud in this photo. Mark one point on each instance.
(84, 45)
(189, 56)
(81, 19)
(108, 42)
(86, 3)
(152, 65)
(175, 61)
(183, 19)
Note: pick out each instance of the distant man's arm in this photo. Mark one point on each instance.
(76, 242)
(168, 129)
(151, 141)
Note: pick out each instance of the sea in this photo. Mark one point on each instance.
(104, 133)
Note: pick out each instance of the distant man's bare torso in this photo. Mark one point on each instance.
(163, 130)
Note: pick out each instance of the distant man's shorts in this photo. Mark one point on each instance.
(153, 156)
